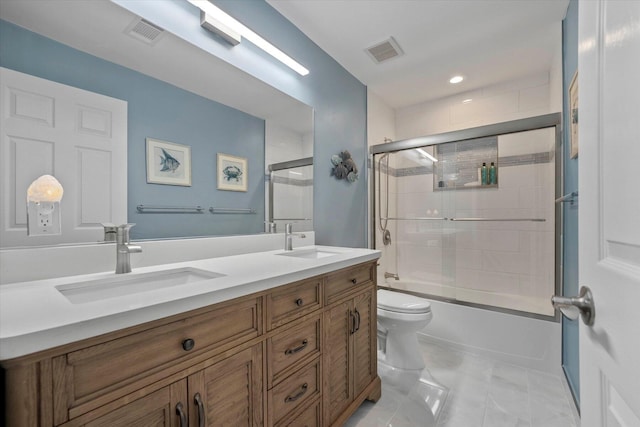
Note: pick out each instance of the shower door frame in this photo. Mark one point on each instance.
(521, 125)
(275, 167)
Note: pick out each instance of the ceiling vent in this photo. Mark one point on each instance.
(145, 31)
(384, 51)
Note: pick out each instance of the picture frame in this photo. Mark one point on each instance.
(573, 116)
(168, 163)
(232, 173)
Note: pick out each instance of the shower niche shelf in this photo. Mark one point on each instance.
(459, 164)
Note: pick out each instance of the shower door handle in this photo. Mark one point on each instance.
(572, 307)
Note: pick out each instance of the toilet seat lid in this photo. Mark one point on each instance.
(402, 303)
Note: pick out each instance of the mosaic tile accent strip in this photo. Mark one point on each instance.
(506, 161)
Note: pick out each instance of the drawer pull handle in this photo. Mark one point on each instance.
(297, 349)
(299, 302)
(354, 281)
(302, 391)
(357, 328)
(188, 344)
(180, 412)
(202, 420)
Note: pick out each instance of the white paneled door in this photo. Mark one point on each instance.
(80, 137)
(609, 154)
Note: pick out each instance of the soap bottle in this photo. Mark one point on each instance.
(493, 179)
(483, 174)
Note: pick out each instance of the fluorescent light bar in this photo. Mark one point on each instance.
(210, 23)
(295, 173)
(427, 155)
(234, 25)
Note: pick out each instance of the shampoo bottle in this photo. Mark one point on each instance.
(484, 174)
(493, 178)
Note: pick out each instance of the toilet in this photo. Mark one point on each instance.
(400, 317)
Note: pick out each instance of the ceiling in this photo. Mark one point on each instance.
(486, 41)
(98, 27)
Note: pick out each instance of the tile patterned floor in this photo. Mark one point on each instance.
(481, 393)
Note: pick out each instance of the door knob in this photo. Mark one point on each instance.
(572, 307)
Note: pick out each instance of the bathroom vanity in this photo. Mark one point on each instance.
(272, 339)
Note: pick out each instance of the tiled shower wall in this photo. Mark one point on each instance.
(505, 264)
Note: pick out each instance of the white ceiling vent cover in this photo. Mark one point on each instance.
(384, 51)
(145, 31)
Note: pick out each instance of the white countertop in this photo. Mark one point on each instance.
(35, 316)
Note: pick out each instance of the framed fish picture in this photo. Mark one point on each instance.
(168, 163)
(232, 173)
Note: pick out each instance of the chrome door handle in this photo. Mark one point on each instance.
(581, 305)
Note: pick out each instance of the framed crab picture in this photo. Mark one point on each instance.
(232, 173)
(168, 163)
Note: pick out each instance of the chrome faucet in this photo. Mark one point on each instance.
(288, 235)
(124, 248)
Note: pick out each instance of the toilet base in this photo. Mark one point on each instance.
(402, 350)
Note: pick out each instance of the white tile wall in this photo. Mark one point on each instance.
(508, 264)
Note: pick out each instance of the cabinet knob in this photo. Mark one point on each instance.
(188, 344)
(354, 281)
(299, 302)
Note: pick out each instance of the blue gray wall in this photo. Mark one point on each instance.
(161, 111)
(570, 350)
(339, 101)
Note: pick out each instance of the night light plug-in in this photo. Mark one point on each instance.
(43, 207)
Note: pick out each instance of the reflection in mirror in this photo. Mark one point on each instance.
(209, 106)
(291, 194)
(289, 169)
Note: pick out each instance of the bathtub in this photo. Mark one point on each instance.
(523, 341)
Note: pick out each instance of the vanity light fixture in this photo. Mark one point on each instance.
(427, 155)
(212, 24)
(43, 207)
(229, 25)
(456, 79)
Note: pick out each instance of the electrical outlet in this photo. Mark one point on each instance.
(43, 219)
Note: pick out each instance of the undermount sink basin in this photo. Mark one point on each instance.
(314, 253)
(126, 284)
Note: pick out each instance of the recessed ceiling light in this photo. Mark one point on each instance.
(456, 79)
(466, 101)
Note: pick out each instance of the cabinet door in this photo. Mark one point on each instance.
(161, 408)
(338, 386)
(364, 341)
(229, 393)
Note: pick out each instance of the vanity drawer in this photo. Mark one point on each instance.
(299, 388)
(309, 417)
(292, 346)
(293, 302)
(121, 365)
(346, 280)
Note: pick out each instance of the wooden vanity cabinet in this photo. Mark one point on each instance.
(302, 354)
(350, 351)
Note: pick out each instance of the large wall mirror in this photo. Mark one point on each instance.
(177, 97)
